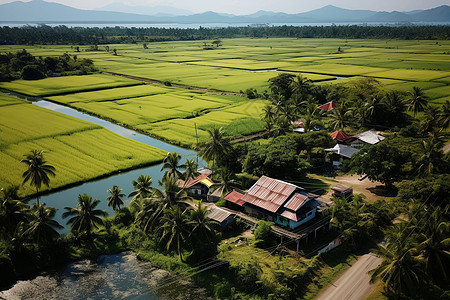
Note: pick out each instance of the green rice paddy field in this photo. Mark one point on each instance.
(171, 113)
(79, 150)
(232, 66)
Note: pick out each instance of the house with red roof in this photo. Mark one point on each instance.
(328, 106)
(278, 201)
(199, 186)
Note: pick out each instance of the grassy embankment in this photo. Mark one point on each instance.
(79, 150)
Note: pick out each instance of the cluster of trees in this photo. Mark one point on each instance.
(24, 65)
(43, 34)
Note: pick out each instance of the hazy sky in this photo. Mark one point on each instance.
(250, 6)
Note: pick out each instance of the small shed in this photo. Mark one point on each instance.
(222, 215)
(342, 191)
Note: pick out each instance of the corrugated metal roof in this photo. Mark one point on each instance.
(369, 137)
(301, 213)
(269, 193)
(343, 150)
(235, 197)
(203, 178)
(296, 202)
(220, 214)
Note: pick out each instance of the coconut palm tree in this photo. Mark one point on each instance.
(268, 116)
(226, 178)
(217, 146)
(339, 117)
(172, 163)
(174, 229)
(84, 217)
(444, 115)
(42, 228)
(394, 104)
(142, 187)
(147, 214)
(190, 170)
(115, 197)
(416, 100)
(430, 160)
(399, 270)
(152, 209)
(203, 228)
(434, 247)
(300, 86)
(38, 171)
(12, 214)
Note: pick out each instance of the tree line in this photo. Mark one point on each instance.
(43, 34)
(24, 65)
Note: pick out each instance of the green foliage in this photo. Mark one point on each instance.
(279, 159)
(32, 72)
(432, 189)
(24, 65)
(263, 232)
(381, 162)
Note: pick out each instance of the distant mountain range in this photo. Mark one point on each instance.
(39, 11)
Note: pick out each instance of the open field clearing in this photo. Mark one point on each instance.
(68, 84)
(171, 113)
(406, 63)
(79, 150)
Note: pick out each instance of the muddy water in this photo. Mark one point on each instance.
(119, 276)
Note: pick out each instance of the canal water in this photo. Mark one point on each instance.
(118, 276)
(98, 188)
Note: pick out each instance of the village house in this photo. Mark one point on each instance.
(348, 145)
(197, 187)
(281, 202)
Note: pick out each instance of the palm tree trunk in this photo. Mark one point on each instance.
(37, 195)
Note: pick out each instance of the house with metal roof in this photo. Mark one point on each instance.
(368, 137)
(275, 200)
(341, 152)
(222, 215)
(198, 186)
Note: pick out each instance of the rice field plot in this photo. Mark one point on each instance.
(67, 84)
(411, 75)
(237, 120)
(29, 122)
(112, 94)
(9, 100)
(79, 150)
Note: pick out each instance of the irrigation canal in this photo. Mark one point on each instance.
(98, 188)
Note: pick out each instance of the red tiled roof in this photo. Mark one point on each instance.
(269, 194)
(339, 135)
(296, 202)
(327, 106)
(235, 197)
(193, 181)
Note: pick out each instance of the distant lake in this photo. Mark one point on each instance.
(217, 25)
